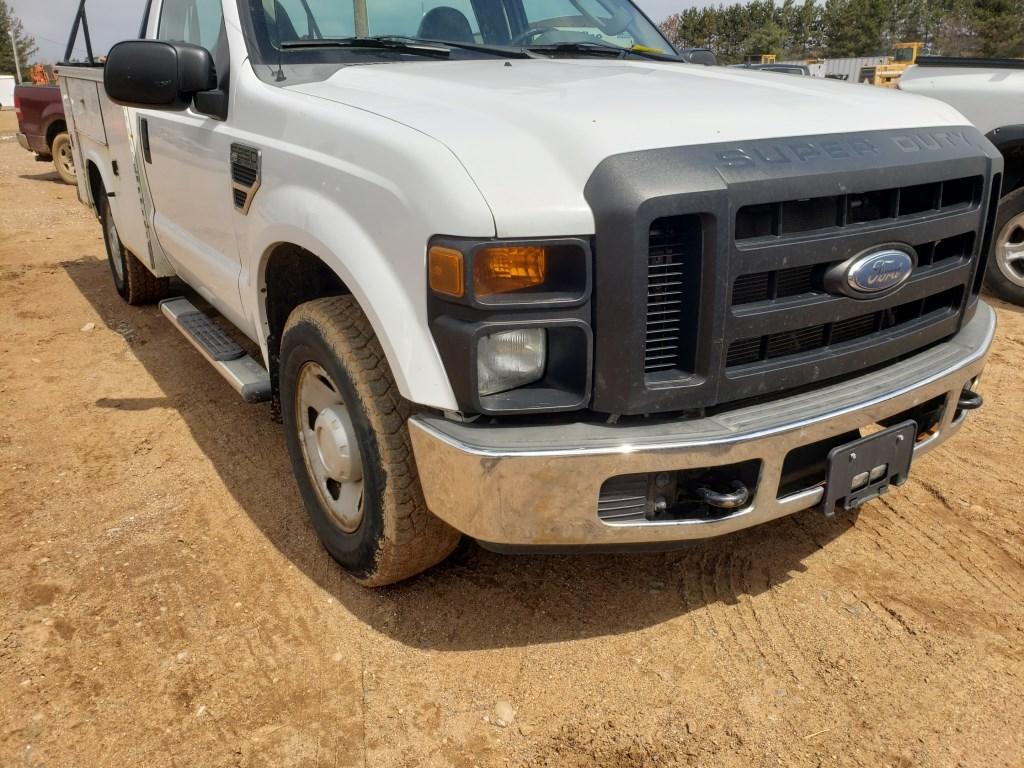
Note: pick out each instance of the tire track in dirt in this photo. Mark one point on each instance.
(956, 522)
(871, 590)
(932, 595)
(879, 616)
(701, 597)
(739, 613)
(892, 534)
(756, 654)
(760, 603)
(934, 541)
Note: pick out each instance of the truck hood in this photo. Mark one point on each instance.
(531, 132)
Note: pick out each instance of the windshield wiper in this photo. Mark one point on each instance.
(599, 49)
(509, 52)
(645, 53)
(587, 49)
(374, 43)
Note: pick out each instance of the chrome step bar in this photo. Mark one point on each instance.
(246, 376)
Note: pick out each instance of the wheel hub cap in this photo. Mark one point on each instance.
(66, 158)
(1010, 250)
(330, 449)
(333, 445)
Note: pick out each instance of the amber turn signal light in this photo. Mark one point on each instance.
(444, 268)
(504, 269)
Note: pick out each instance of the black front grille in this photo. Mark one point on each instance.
(710, 261)
(785, 329)
(673, 275)
(835, 334)
(797, 281)
(792, 217)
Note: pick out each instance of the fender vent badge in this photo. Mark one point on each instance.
(245, 175)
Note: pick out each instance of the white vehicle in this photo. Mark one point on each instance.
(517, 272)
(990, 93)
(6, 91)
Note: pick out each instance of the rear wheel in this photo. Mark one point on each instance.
(345, 425)
(63, 158)
(1005, 273)
(134, 283)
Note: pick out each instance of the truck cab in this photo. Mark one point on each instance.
(514, 269)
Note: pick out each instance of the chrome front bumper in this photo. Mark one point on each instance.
(538, 485)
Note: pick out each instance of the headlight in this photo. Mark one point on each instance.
(510, 273)
(506, 269)
(510, 359)
(511, 321)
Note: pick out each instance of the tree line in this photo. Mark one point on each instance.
(799, 29)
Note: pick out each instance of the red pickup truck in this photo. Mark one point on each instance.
(41, 127)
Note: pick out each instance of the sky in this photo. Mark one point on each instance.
(49, 21)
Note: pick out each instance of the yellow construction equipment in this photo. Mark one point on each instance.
(760, 58)
(888, 74)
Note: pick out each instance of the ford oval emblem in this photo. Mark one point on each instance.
(871, 274)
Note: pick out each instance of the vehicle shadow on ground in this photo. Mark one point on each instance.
(52, 176)
(1003, 306)
(476, 599)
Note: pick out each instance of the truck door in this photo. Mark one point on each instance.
(187, 166)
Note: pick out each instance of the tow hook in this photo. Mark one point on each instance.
(969, 401)
(733, 500)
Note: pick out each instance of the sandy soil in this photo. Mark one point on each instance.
(166, 602)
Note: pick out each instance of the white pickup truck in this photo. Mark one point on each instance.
(989, 93)
(514, 270)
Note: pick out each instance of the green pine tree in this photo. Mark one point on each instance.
(999, 25)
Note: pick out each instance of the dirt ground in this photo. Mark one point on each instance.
(166, 602)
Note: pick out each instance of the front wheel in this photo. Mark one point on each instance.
(63, 158)
(346, 428)
(1004, 276)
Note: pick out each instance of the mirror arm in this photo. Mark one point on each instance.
(212, 103)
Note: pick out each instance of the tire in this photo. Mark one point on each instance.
(134, 283)
(63, 158)
(1004, 276)
(333, 371)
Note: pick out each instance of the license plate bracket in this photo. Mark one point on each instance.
(864, 469)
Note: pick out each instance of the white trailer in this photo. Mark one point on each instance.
(7, 91)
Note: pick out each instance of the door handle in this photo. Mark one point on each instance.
(144, 132)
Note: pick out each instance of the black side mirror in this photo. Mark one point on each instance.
(154, 74)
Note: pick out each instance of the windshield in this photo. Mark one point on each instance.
(278, 28)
